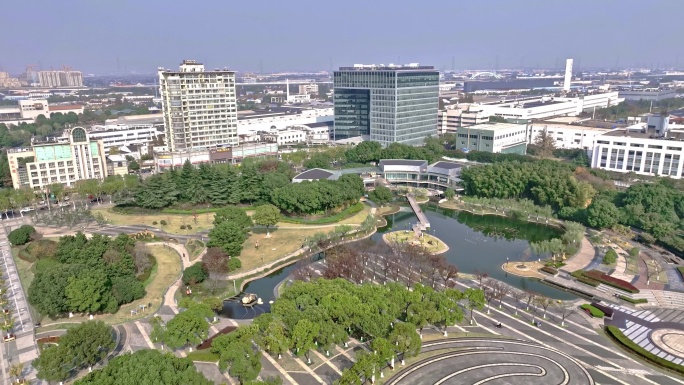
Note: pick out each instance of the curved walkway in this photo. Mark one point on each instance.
(169, 296)
(485, 360)
(582, 259)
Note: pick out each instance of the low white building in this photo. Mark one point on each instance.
(505, 138)
(26, 111)
(281, 117)
(640, 150)
(308, 88)
(567, 136)
(285, 137)
(546, 106)
(125, 135)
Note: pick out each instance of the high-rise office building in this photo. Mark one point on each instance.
(200, 109)
(61, 78)
(386, 104)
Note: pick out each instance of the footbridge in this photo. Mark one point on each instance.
(423, 223)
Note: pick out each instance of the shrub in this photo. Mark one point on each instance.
(154, 223)
(204, 355)
(632, 300)
(189, 227)
(163, 222)
(610, 257)
(621, 338)
(596, 313)
(634, 252)
(195, 274)
(549, 270)
(234, 264)
(611, 281)
(22, 235)
(182, 227)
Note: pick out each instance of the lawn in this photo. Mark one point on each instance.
(24, 268)
(165, 273)
(355, 219)
(174, 221)
(195, 248)
(279, 243)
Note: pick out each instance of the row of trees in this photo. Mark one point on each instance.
(264, 181)
(91, 275)
(82, 346)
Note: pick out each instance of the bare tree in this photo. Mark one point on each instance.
(481, 276)
(489, 292)
(449, 272)
(216, 261)
(302, 271)
(502, 291)
(543, 302)
(518, 295)
(529, 297)
(437, 264)
(565, 309)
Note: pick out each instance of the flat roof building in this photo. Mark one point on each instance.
(200, 108)
(65, 162)
(507, 138)
(649, 94)
(386, 104)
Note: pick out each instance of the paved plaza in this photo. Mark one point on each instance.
(492, 361)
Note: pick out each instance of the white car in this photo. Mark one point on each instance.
(26, 209)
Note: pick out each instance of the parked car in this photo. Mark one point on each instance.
(26, 210)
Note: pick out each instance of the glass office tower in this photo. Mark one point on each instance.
(386, 104)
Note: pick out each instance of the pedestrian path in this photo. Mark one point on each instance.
(582, 259)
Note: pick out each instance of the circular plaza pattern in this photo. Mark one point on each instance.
(492, 361)
(669, 340)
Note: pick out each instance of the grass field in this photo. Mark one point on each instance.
(174, 221)
(279, 243)
(165, 273)
(24, 268)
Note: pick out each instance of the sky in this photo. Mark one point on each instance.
(117, 36)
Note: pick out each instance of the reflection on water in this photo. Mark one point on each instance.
(476, 243)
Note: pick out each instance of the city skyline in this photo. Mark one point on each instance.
(127, 37)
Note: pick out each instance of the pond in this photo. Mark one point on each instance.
(481, 243)
(476, 243)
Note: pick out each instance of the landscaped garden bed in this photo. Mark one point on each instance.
(549, 270)
(621, 338)
(611, 281)
(592, 311)
(633, 300)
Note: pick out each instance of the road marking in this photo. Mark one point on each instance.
(144, 334)
(326, 361)
(542, 374)
(308, 369)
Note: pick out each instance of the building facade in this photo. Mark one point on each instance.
(64, 162)
(650, 94)
(61, 78)
(417, 173)
(200, 108)
(567, 136)
(308, 88)
(386, 104)
(623, 150)
(507, 138)
(119, 136)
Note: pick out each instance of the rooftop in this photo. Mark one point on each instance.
(538, 103)
(402, 162)
(447, 165)
(389, 67)
(495, 126)
(314, 174)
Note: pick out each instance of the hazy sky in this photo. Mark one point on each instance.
(91, 35)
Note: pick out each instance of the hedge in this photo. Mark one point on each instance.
(621, 338)
(610, 281)
(135, 210)
(596, 313)
(204, 355)
(632, 300)
(348, 212)
(549, 270)
(579, 275)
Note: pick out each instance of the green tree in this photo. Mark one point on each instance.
(266, 215)
(89, 342)
(610, 257)
(89, 292)
(318, 160)
(53, 364)
(195, 273)
(189, 327)
(146, 367)
(449, 193)
(545, 143)
(406, 340)
(602, 214)
(234, 215)
(380, 195)
(303, 337)
(133, 165)
(228, 236)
